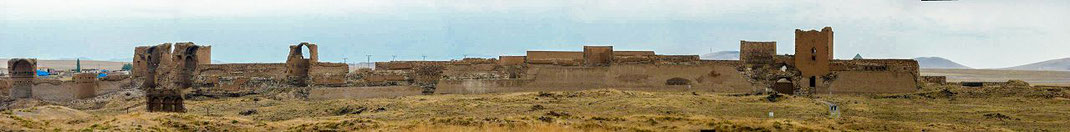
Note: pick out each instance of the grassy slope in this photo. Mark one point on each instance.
(1036, 109)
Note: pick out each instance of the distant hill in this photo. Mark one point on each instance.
(1050, 65)
(939, 63)
(70, 64)
(721, 55)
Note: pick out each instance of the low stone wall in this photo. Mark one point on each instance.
(872, 82)
(363, 92)
(645, 77)
(332, 74)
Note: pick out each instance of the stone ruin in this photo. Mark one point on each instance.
(164, 100)
(171, 75)
(165, 72)
(21, 77)
(811, 70)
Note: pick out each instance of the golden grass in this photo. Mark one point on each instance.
(969, 109)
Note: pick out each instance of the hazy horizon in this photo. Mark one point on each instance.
(976, 33)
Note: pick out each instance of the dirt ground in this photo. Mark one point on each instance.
(936, 108)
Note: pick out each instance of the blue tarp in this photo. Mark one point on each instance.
(102, 75)
(42, 73)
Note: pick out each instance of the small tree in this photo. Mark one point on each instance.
(128, 67)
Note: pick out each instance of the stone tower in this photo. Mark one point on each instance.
(22, 76)
(813, 54)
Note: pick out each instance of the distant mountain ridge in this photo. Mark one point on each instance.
(939, 63)
(1062, 64)
(721, 55)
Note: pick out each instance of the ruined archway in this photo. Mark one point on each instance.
(298, 65)
(677, 81)
(22, 76)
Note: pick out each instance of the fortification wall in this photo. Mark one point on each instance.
(646, 77)
(597, 55)
(5, 86)
(555, 57)
(757, 53)
(261, 70)
(633, 53)
(872, 82)
(328, 73)
(511, 60)
(405, 65)
(363, 92)
(55, 90)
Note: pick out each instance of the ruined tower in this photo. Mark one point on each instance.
(597, 55)
(297, 65)
(86, 86)
(22, 75)
(186, 57)
(754, 53)
(813, 55)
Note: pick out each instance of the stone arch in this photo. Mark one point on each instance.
(155, 103)
(677, 81)
(22, 73)
(22, 68)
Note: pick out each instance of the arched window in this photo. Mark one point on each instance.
(813, 54)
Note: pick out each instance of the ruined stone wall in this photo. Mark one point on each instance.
(597, 55)
(757, 53)
(55, 90)
(895, 65)
(217, 73)
(328, 74)
(555, 57)
(633, 53)
(511, 60)
(5, 86)
(140, 66)
(848, 82)
(405, 65)
(672, 59)
(647, 77)
(934, 79)
(204, 55)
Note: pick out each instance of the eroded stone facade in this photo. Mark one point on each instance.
(21, 74)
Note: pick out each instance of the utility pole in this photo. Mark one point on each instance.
(425, 57)
(394, 58)
(369, 61)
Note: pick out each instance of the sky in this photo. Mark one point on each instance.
(976, 33)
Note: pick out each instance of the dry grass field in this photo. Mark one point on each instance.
(932, 109)
(1061, 78)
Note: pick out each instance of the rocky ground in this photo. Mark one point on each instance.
(936, 108)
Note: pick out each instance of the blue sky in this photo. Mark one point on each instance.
(977, 33)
